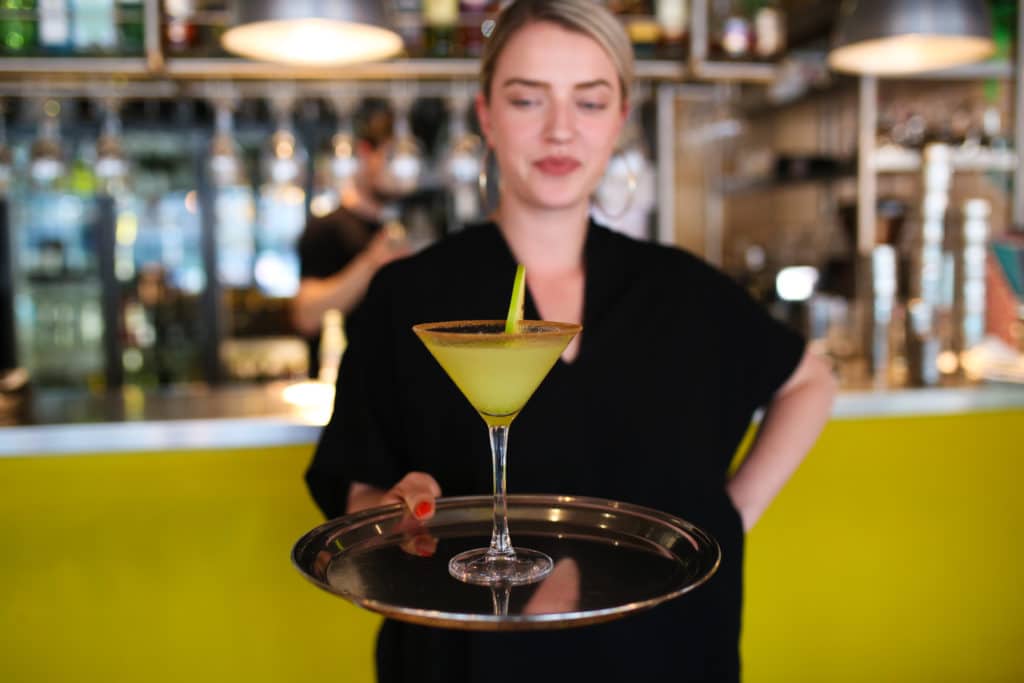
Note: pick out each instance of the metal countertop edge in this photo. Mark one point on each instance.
(927, 402)
(158, 435)
(269, 431)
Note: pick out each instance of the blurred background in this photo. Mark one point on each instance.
(154, 185)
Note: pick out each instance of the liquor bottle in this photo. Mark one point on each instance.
(472, 15)
(673, 20)
(180, 31)
(409, 24)
(234, 205)
(94, 26)
(281, 210)
(46, 156)
(54, 27)
(1004, 23)
(971, 293)
(440, 19)
(769, 30)
(131, 32)
(992, 127)
(644, 33)
(81, 177)
(731, 32)
(641, 26)
(17, 27)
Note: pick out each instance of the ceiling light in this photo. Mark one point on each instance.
(902, 37)
(313, 32)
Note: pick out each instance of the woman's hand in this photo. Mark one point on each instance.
(416, 490)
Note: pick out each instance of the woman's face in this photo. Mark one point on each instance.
(553, 117)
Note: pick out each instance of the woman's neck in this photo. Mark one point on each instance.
(547, 242)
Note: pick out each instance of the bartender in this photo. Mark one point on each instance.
(340, 252)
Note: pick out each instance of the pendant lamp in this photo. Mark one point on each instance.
(313, 32)
(902, 37)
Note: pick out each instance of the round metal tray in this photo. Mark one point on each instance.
(611, 559)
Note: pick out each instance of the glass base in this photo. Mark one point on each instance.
(478, 568)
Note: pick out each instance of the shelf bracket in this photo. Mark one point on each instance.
(155, 62)
(867, 183)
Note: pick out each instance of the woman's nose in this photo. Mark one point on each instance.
(560, 123)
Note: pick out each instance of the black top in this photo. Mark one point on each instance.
(673, 360)
(328, 244)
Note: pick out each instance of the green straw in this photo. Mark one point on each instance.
(515, 307)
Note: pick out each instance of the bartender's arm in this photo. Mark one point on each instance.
(346, 288)
(792, 422)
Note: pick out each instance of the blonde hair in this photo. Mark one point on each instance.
(586, 17)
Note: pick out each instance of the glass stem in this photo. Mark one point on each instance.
(501, 544)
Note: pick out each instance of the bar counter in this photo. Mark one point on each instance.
(253, 416)
(158, 545)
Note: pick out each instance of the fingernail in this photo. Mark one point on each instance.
(423, 509)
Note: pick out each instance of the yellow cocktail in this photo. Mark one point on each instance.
(497, 372)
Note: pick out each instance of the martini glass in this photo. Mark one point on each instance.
(497, 372)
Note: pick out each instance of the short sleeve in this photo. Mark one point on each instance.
(354, 446)
(761, 351)
(319, 256)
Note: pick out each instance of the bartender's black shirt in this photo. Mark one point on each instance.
(674, 359)
(328, 244)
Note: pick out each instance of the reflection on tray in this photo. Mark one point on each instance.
(611, 559)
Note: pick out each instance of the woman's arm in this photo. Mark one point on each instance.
(346, 288)
(792, 422)
(342, 291)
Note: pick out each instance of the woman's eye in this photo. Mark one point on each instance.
(523, 102)
(590, 105)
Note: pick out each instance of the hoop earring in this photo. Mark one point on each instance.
(632, 182)
(481, 181)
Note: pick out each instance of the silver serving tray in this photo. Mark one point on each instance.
(611, 559)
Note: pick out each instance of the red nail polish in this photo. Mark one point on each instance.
(423, 509)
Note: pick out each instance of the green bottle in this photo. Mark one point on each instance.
(17, 27)
(1004, 22)
(131, 32)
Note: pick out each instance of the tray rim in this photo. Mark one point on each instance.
(490, 622)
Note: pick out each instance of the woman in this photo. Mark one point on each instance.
(647, 405)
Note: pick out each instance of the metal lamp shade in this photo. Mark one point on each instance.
(900, 37)
(313, 32)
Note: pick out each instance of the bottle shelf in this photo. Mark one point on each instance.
(893, 159)
(889, 159)
(751, 72)
(231, 68)
(999, 69)
(106, 66)
(740, 185)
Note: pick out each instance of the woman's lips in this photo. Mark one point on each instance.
(557, 165)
